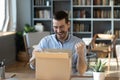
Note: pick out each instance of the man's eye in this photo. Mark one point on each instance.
(55, 26)
(62, 26)
(58, 27)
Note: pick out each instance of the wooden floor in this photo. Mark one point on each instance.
(19, 67)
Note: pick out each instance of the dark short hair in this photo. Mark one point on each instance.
(61, 15)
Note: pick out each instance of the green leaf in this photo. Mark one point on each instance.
(99, 66)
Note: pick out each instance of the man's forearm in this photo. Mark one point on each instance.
(81, 62)
(81, 65)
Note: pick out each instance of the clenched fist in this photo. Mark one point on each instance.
(80, 48)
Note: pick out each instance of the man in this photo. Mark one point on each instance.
(63, 40)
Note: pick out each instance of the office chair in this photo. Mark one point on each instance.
(104, 46)
(32, 39)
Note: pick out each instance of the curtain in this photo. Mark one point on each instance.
(11, 15)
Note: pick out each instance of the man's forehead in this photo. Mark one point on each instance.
(62, 20)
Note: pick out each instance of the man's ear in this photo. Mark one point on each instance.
(69, 24)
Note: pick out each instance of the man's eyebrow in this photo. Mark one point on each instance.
(59, 26)
(55, 26)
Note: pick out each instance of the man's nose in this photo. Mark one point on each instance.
(58, 30)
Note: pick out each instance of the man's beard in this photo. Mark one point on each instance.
(61, 35)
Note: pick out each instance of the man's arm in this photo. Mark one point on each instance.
(32, 60)
(42, 44)
(81, 62)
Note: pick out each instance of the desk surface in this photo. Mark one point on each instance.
(25, 73)
(31, 76)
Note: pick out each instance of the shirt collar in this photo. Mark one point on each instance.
(66, 39)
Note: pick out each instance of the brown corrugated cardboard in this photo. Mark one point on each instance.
(53, 65)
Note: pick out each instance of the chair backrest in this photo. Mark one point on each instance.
(106, 48)
(109, 38)
(32, 39)
(103, 43)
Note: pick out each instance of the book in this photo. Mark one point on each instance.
(88, 2)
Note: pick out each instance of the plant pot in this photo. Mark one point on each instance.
(98, 75)
(22, 56)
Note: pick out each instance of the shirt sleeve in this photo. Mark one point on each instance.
(42, 45)
(39, 47)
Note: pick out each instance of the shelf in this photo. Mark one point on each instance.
(81, 19)
(82, 32)
(42, 19)
(101, 6)
(93, 16)
(42, 6)
(102, 19)
(77, 6)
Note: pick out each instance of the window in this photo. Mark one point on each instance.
(7, 15)
(2, 14)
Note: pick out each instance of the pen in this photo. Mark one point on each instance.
(13, 75)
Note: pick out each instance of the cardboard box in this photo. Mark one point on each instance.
(53, 65)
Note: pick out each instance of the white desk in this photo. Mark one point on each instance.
(25, 73)
(31, 76)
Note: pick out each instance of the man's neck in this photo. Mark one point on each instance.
(63, 40)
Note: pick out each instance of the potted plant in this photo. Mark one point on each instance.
(99, 70)
(28, 28)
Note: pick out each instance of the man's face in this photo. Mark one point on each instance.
(61, 28)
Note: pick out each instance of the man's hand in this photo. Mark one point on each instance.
(80, 47)
(81, 62)
(32, 59)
